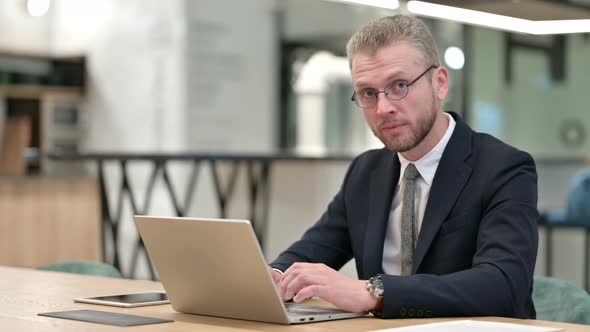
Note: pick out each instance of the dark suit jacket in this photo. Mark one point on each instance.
(477, 245)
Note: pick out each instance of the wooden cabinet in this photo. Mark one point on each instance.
(48, 220)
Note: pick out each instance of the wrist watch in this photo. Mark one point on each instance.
(375, 287)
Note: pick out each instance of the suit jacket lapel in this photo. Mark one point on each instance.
(450, 178)
(384, 178)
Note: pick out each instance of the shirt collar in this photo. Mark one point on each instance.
(428, 164)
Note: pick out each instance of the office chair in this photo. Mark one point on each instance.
(577, 211)
(87, 268)
(560, 301)
(578, 200)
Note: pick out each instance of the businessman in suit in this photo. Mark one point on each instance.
(441, 222)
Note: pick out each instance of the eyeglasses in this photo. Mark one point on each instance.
(395, 90)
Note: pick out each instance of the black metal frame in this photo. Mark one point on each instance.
(555, 52)
(258, 171)
(257, 181)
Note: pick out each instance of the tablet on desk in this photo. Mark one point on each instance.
(128, 300)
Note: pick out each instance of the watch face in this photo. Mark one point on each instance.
(378, 282)
(376, 285)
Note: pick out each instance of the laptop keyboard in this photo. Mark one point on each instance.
(302, 309)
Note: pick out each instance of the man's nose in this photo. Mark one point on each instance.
(384, 104)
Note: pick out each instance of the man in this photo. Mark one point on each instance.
(441, 222)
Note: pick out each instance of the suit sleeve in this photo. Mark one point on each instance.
(327, 241)
(499, 282)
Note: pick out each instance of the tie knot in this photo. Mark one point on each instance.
(411, 172)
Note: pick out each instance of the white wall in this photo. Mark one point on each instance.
(22, 33)
(231, 67)
(77, 23)
(135, 96)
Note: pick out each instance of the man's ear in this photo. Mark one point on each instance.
(441, 82)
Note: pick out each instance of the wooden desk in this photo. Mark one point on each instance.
(24, 293)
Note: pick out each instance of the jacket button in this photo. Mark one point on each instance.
(419, 313)
(403, 311)
(411, 312)
(428, 313)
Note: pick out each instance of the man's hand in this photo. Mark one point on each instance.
(305, 280)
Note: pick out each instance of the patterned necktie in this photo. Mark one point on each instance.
(408, 220)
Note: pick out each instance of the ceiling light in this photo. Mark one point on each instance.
(454, 58)
(561, 26)
(37, 8)
(468, 16)
(496, 21)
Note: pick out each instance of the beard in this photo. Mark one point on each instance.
(417, 134)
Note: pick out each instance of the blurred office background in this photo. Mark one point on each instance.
(242, 109)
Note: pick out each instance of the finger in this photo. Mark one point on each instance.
(293, 266)
(301, 281)
(301, 275)
(291, 273)
(325, 293)
(274, 274)
(308, 292)
(287, 273)
(286, 279)
(276, 277)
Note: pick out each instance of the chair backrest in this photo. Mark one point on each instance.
(560, 301)
(87, 268)
(578, 199)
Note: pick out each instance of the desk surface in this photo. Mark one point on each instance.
(24, 293)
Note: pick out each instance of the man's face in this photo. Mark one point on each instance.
(402, 125)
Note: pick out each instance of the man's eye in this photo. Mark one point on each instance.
(400, 85)
(368, 93)
(397, 88)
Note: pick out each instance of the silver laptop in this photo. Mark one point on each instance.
(215, 267)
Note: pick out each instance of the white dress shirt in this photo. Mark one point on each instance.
(426, 166)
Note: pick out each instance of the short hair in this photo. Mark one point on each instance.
(388, 30)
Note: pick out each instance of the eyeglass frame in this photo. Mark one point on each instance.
(354, 94)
